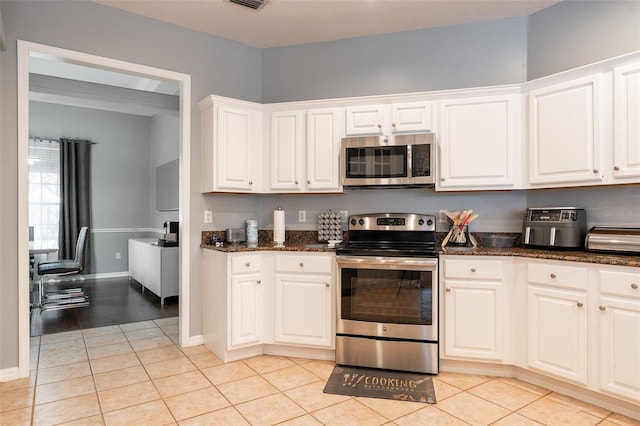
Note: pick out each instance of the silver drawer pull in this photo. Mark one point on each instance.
(580, 305)
(301, 265)
(602, 308)
(247, 264)
(634, 286)
(473, 269)
(447, 289)
(259, 281)
(552, 275)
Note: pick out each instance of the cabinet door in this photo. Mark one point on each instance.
(246, 310)
(626, 110)
(412, 117)
(365, 120)
(565, 125)
(235, 135)
(325, 127)
(620, 347)
(557, 333)
(465, 335)
(479, 143)
(303, 309)
(287, 150)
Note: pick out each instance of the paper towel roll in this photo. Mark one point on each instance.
(278, 226)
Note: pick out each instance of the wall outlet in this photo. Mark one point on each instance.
(208, 216)
(118, 256)
(302, 215)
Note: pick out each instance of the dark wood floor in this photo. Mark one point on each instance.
(112, 301)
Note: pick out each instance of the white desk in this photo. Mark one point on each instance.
(36, 247)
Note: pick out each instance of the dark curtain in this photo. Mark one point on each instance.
(75, 195)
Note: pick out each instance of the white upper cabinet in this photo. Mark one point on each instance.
(566, 123)
(305, 148)
(231, 145)
(626, 126)
(287, 150)
(386, 119)
(325, 127)
(479, 143)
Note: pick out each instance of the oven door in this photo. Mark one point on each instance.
(388, 297)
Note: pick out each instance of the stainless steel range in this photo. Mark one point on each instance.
(388, 293)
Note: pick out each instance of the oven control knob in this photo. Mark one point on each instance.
(421, 222)
(353, 222)
(361, 221)
(429, 222)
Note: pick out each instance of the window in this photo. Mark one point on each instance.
(44, 190)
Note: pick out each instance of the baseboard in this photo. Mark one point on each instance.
(8, 374)
(107, 275)
(195, 340)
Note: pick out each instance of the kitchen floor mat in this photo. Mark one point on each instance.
(388, 384)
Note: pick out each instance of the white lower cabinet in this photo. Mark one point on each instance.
(304, 313)
(618, 316)
(247, 306)
(475, 309)
(155, 267)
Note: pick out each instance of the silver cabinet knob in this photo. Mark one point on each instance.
(250, 182)
(393, 124)
(308, 182)
(301, 265)
(379, 126)
(580, 305)
(634, 286)
(442, 179)
(473, 269)
(447, 289)
(259, 281)
(602, 308)
(595, 171)
(296, 182)
(247, 264)
(327, 285)
(552, 275)
(616, 168)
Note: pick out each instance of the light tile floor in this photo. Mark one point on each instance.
(135, 374)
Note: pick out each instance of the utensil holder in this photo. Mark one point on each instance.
(459, 236)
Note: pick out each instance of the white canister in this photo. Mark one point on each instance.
(252, 232)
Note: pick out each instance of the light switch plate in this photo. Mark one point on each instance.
(208, 216)
(302, 215)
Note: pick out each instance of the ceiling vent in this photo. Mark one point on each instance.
(253, 4)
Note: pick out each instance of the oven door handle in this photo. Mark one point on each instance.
(394, 262)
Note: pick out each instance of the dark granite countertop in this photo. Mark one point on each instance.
(306, 241)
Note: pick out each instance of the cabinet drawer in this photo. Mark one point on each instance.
(485, 269)
(557, 275)
(309, 264)
(620, 283)
(245, 263)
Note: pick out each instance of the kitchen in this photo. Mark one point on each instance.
(499, 211)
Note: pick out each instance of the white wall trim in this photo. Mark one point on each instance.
(195, 341)
(106, 275)
(125, 230)
(25, 49)
(9, 374)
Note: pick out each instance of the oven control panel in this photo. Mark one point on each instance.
(392, 222)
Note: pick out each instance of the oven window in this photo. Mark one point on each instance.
(376, 162)
(401, 297)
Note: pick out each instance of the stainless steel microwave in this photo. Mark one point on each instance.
(394, 160)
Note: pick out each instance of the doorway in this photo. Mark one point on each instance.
(27, 51)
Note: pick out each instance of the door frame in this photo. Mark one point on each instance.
(25, 50)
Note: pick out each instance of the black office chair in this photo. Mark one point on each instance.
(67, 298)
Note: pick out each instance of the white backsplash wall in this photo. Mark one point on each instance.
(617, 205)
(499, 211)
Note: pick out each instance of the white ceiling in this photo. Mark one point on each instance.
(291, 22)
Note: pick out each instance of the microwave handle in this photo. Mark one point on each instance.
(527, 235)
(552, 237)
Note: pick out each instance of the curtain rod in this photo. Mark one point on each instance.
(50, 139)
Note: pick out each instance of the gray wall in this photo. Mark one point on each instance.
(215, 65)
(165, 147)
(121, 173)
(471, 55)
(579, 32)
(468, 55)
